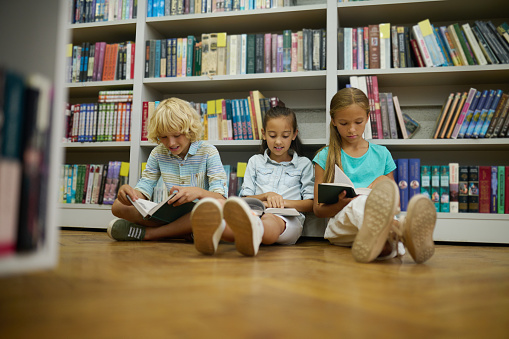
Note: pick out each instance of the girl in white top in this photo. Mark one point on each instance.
(280, 177)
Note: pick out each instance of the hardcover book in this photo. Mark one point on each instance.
(463, 189)
(426, 180)
(414, 177)
(435, 186)
(444, 188)
(501, 189)
(473, 189)
(328, 192)
(453, 187)
(485, 174)
(402, 168)
(259, 208)
(163, 211)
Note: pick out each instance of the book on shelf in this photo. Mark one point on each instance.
(403, 180)
(463, 189)
(411, 125)
(328, 192)
(435, 186)
(453, 187)
(486, 116)
(462, 114)
(385, 45)
(485, 181)
(503, 106)
(502, 189)
(163, 211)
(468, 116)
(473, 189)
(451, 119)
(486, 100)
(428, 35)
(444, 188)
(426, 180)
(414, 177)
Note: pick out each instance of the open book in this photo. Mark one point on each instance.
(162, 211)
(328, 192)
(259, 208)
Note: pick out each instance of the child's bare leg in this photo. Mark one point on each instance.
(178, 228)
(273, 227)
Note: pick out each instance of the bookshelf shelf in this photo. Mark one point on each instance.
(109, 31)
(235, 83)
(309, 92)
(98, 146)
(275, 19)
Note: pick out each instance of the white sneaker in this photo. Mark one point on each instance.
(419, 225)
(207, 224)
(246, 226)
(381, 206)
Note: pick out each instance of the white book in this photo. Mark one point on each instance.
(233, 59)
(479, 56)
(243, 54)
(385, 45)
(422, 46)
(161, 211)
(431, 43)
(348, 52)
(363, 86)
(184, 57)
(453, 187)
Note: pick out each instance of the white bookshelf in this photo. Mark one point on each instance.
(38, 46)
(421, 91)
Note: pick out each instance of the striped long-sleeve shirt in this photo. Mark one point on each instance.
(201, 167)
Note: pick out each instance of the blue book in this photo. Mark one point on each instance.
(414, 177)
(468, 116)
(490, 114)
(445, 54)
(150, 6)
(157, 61)
(477, 112)
(247, 116)
(402, 168)
(229, 119)
(482, 116)
(494, 187)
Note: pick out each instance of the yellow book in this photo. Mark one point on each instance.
(221, 53)
(222, 127)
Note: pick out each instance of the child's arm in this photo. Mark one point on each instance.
(187, 194)
(389, 176)
(305, 205)
(125, 190)
(327, 210)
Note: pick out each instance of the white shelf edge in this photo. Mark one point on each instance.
(99, 24)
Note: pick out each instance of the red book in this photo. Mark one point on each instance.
(144, 121)
(417, 53)
(378, 112)
(484, 189)
(372, 114)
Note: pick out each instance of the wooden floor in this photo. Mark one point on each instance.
(107, 289)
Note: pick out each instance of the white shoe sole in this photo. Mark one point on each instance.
(242, 222)
(419, 226)
(381, 206)
(207, 225)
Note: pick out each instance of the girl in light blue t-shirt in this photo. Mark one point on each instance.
(368, 223)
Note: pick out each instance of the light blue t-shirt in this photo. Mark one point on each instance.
(293, 180)
(364, 170)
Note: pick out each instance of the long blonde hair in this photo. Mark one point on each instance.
(342, 99)
(175, 115)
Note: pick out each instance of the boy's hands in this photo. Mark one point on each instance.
(184, 194)
(125, 190)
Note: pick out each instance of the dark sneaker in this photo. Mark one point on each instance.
(381, 206)
(418, 228)
(207, 224)
(246, 226)
(123, 230)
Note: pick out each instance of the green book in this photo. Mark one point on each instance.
(501, 189)
(464, 43)
(251, 48)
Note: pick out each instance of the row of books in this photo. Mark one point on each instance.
(223, 54)
(98, 122)
(455, 188)
(386, 120)
(100, 61)
(92, 183)
(83, 11)
(25, 133)
(474, 114)
(157, 8)
(225, 119)
(422, 45)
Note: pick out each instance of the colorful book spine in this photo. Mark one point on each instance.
(473, 189)
(453, 187)
(494, 190)
(414, 177)
(485, 189)
(435, 186)
(426, 180)
(463, 189)
(444, 188)
(502, 189)
(402, 168)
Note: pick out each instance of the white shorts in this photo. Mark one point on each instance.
(293, 230)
